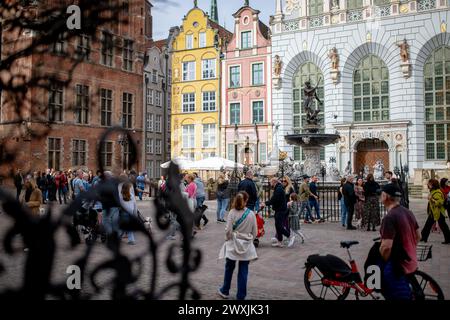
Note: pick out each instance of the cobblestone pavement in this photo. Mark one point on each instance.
(277, 274)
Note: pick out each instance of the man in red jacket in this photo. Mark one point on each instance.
(61, 186)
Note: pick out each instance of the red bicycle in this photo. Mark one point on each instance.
(330, 277)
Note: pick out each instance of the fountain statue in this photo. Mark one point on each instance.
(310, 139)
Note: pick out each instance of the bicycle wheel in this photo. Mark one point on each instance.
(428, 287)
(317, 290)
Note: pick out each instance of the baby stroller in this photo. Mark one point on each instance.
(87, 223)
(260, 223)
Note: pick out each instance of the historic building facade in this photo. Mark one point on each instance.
(381, 68)
(247, 85)
(157, 104)
(105, 90)
(196, 86)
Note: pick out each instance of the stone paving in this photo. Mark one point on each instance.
(276, 275)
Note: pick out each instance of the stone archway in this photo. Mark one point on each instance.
(368, 151)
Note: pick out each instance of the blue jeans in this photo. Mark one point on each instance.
(241, 281)
(305, 205)
(395, 287)
(314, 204)
(200, 201)
(140, 195)
(111, 220)
(344, 212)
(222, 205)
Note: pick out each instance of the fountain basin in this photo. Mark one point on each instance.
(312, 139)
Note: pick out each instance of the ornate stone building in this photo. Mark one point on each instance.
(383, 72)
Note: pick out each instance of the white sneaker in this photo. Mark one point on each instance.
(224, 296)
(274, 240)
(278, 245)
(291, 241)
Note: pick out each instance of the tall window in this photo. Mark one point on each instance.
(106, 107)
(371, 90)
(82, 104)
(150, 96)
(78, 152)
(189, 41)
(157, 168)
(437, 105)
(258, 112)
(158, 146)
(54, 153)
(189, 71)
(150, 166)
(107, 49)
(127, 55)
(149, 122)
(106, 153)
(202, 40)
(353, 4)
(155, 76)
(315, 7)
(235, 77)
(83, 47)
(188, 136)
(230, 151)
(158, 123)
(55, 102)
(235, 113)
(257, 74)
(158, 98)
(126, 156)
(208, 69)
(246, 39)
(305, 72)
(209, 101)
(188, 102)
(262, 152)
(127, 110)
(149, 145)
(209, 135)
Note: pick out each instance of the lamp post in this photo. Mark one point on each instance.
(123, 141)
(234, 177)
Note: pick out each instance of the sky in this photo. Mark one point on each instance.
(169, 13)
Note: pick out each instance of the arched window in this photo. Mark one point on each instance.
(315, 7)
(437, 105)
(371, 90)
(353, 4)
(307, 71)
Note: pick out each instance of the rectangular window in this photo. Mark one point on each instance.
(158, 145)
(54, 153)
(235, 77)
(127, 55)
(82, 104)
(55, 102)
(158, 98)
(230, 151)
(235, 113)
(150, 96)
(258, 112)
(150, 167)
(188, 136)
(209, 101)
(83, 50)
(107, 49)
(262, 152)
(209, 135)
(202, 40)
(150, 122)
(189, 41)
(246, 39)
(189, 102)
(149, 145)
(106, 153)
(257, 74)
(158, 123)
(189, 156)
(59, 45)
(155, 76)
(126, 156)
(127, 110)
(208, 69)
(106, 107)
(158, 169)
(78, 153)
(189, 71)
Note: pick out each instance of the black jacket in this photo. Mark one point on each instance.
(249, 186)
(223, 191)
(371, 188)
(278, 200)
(349, 194)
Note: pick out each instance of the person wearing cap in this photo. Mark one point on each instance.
(304, 194)
(399, 238)
(436, 212)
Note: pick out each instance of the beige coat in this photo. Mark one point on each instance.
(35, 200)
(239, 243)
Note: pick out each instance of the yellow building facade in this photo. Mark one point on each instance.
(196, 85)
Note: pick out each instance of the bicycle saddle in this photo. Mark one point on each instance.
(348, 244)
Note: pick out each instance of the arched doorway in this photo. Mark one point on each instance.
(369, 151)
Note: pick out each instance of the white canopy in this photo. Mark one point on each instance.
(183, 163)
(215, 164)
